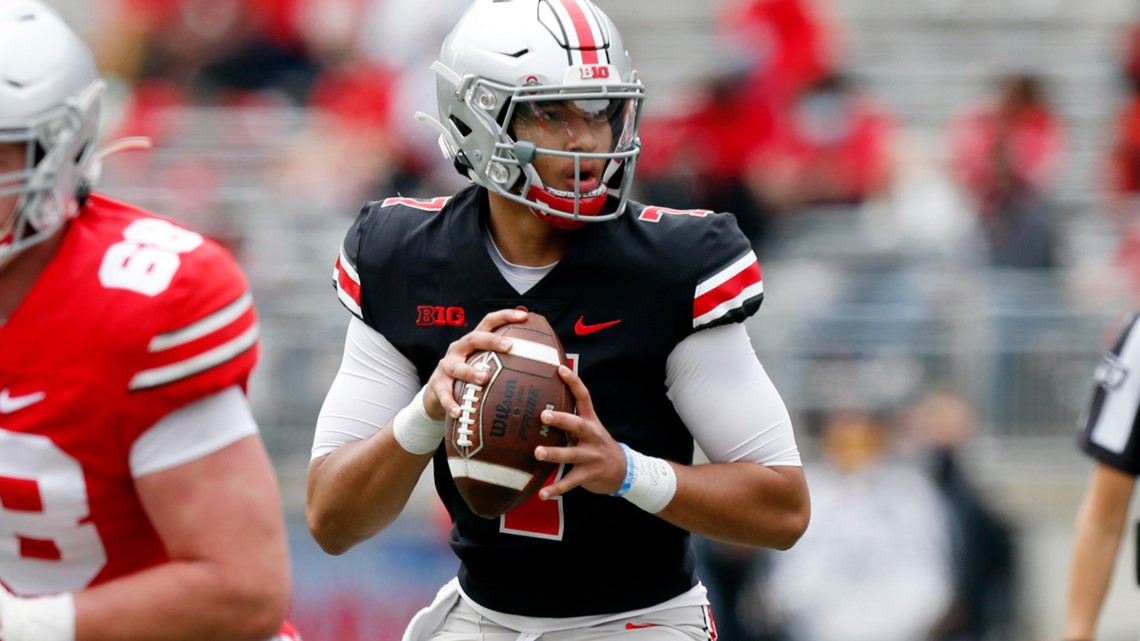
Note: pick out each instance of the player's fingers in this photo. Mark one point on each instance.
(559, 487)
(460, 370)
(499, 318)
(476, 341)
(433, 404)
(585, 406)
(573, 424)
(568, 455)
(440, 387)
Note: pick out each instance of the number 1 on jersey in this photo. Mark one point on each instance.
(535, 517)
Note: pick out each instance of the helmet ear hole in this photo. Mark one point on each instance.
(461, 126)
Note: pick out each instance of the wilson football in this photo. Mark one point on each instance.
(490, 446)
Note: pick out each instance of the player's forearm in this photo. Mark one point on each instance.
(741, 502)
(1088, 585)
(359, 489)
(186, 601)
(1095, 547)
(1100, 528)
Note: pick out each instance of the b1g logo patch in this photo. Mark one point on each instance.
(440, 315)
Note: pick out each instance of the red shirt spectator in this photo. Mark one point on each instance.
(1125, 158)
(788, 44)
(1004, 146)
(833, 147)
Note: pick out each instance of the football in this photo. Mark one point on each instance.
(490, 445)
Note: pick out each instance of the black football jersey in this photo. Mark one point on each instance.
(624, 295)
(1108, 430)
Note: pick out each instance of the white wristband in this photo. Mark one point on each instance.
(650, 482)
(46, 618)
(414, 430)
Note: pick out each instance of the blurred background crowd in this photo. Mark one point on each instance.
(944, 196)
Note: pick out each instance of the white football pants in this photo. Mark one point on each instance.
(450, 618)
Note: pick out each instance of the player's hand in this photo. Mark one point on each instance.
(598, 460)
(439, 393)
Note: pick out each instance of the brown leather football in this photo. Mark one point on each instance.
(490, 446)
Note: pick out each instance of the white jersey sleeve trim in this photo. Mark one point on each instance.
(192, 432)
(374, 382)
(200, 363)
(728, 402)
(208, 325)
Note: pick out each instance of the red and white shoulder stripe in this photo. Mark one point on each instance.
(347, 283)
(584, 33)
(727, 290)
(218, 338)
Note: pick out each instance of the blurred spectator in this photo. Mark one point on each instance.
(780, 46)
(404, 35)
(766, 52)
(1124, 159)
(213, 51)
(1006, 152)
(835, 146)
(697, 159)
(344, 153)
(875, 563)
(984, 606)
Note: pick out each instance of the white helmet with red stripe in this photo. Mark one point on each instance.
(49, 103)
(510, 58)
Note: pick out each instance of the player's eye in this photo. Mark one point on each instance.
(552, 115)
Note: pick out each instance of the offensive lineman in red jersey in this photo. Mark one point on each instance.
(538, 106)
(137, 501)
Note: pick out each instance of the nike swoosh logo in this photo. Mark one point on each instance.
(638, 626)
(9, 403)
(582, 329)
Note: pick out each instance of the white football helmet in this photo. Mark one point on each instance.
(524, 58)
(49, 101)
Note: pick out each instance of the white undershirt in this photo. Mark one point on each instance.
(520, 277)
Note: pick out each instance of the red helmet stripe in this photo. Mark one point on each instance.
(586, 43)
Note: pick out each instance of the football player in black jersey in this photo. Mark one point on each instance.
(1109, 434)
(539, 106)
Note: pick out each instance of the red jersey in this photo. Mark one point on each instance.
(134, 317)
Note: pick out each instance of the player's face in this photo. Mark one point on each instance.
(12, 158)
(578, 125)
